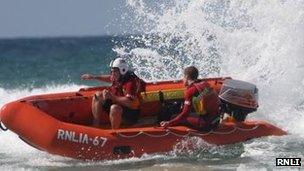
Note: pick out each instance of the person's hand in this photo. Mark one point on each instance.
(106, 94)
(86, 77)
(164, 124)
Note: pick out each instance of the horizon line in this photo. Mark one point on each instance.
(66, 36)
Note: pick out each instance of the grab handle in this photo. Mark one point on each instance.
(2, 127)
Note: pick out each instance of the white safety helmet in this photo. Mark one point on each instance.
(120, 64)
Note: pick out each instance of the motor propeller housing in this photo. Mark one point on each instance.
(238, 98)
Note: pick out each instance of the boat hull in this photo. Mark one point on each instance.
(65, 131)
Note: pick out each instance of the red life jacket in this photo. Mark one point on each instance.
(117, 87)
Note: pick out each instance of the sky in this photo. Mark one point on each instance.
(53, 18)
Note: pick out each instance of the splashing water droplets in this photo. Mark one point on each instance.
(256, 41)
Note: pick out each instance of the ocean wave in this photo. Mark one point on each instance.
(256, 41)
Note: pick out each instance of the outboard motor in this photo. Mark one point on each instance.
(238, 98)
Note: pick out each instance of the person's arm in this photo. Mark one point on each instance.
(130, 98)
(123, 100)
(104, 78)
(185, 112)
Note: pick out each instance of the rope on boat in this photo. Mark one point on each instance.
(179, 135)
(2, 127)
(130, 136)
(156, 136)
(190, 133)
(243, 129)
(144, 133)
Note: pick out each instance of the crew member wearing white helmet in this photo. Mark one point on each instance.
(122, 100)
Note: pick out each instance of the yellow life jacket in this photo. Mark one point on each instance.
(199, 101)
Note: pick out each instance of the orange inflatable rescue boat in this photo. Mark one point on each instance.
(61, 123)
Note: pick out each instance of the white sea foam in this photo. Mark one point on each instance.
(17, 155)
(256, 41)
(7, 95)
